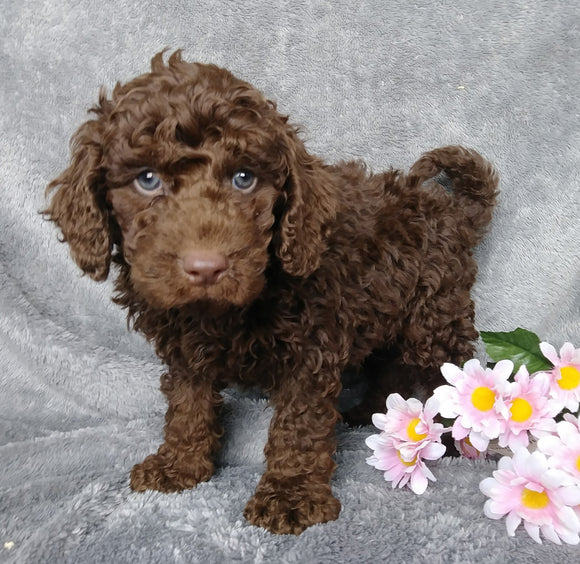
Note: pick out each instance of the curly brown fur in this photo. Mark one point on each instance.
(244, 259)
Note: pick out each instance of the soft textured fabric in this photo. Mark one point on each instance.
(378, 80)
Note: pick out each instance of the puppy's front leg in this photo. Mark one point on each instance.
(294, 492)
(191, 437)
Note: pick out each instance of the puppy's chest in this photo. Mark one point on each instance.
(236, 350)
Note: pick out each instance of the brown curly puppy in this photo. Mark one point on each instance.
(247, 260)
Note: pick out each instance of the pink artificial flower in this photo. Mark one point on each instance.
(476, 399)
(527, 488)
(565, 374)
(529, 409)
(408, 436)
(563, 448)
(411, 425)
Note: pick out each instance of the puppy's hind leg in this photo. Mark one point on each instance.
(413, 367)
(384, 373)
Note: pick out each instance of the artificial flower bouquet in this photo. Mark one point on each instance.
(524, 404)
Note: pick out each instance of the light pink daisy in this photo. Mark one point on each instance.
(387, 458)
(411, 425)
(563, 448)
(476, 399)
(409, 435)
(529, 409)
(565, 374)
(526, 488)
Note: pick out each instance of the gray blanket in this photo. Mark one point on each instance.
(374, 79)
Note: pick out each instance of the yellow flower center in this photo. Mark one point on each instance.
(521, 410)
(569, 378)
(534, 500)
(483, 398)
(578, 463)
(412, 430)
(412, 463)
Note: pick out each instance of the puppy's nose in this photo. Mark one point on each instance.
(204, 268)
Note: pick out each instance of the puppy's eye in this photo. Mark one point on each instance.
(244, 180)
(148, 182)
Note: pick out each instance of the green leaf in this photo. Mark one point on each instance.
(520, 346)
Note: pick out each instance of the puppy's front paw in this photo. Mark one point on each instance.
(169, 474)
(291, 509)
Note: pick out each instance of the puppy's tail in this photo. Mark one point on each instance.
(468, 176)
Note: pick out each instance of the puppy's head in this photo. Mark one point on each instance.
(198, 181)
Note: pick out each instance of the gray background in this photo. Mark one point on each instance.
(374, 79)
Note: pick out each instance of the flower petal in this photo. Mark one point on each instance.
(569, 537)
(396, 402)
(521, 440)
(473, 368)
(418, 482)
(522, 376)
(446, 396)
(550, 353)
(492, 428)
(487, 486)
(498, 508)
(567, 431)
(533, 531)
(431, 408)
(374, 441)
(414, 407)
(433, 451)
(568, 353)
(569, 518)
(571, 495)
(550, 533)
(478, 440)
(503, 369)
(541, 382)
(379, 420)
(505, 464)
(512, 522)
(451, 373)
(408, 451)
(491, 511)
(458, 430)
(549, 445)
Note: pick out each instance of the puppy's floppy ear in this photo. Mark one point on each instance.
(309, 210)
(78, 204)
